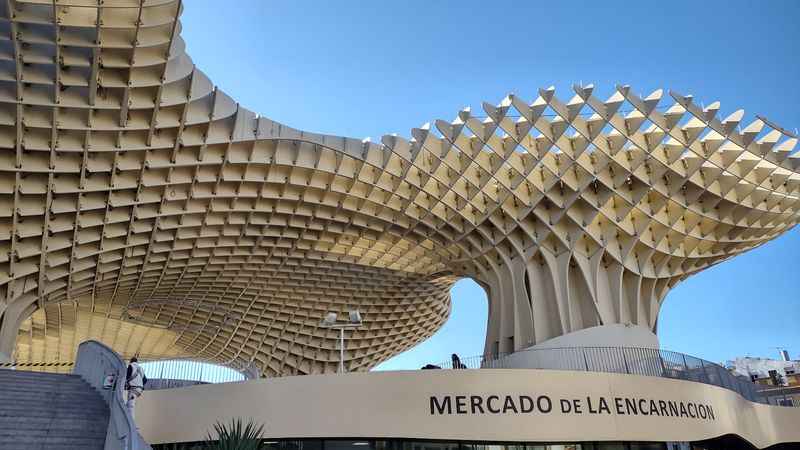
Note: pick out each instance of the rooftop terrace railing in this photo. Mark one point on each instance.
(166, 374)
(175, 373)
(627, 360)
(161, 373)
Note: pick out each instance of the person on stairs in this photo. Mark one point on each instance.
(134, 383)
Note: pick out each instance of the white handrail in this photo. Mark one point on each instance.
(95, 362)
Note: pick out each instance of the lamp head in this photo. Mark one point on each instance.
(329, 320)
(355, 317)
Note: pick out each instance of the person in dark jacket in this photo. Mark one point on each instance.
(457, 364)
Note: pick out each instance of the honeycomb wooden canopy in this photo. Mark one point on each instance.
(141, 206)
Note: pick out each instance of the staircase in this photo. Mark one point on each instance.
(41, 411)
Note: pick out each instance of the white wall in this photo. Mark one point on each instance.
(397, 404)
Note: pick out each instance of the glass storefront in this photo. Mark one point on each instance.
(407, 444)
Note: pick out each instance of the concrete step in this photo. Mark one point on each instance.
(88, 432)
(53, 402)
(48, 387)
(52, 442)
(19, 381)
(4, 373)
(42, 412)
(50, 411)
(25, 384)
(77, 407)
(23, 381)
(38, 396)
(48, 447)
(62, 422)
(38, 376)
(66, 392)
(54, 389)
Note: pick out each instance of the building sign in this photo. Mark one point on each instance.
(544, 404)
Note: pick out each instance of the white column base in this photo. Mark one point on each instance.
(613, 335)
(567, 350)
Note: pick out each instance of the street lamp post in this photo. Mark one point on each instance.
(330, 322)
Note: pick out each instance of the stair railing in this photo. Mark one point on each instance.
(105, 371)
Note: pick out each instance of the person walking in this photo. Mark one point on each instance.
(134, 383)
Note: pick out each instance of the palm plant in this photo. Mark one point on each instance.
(236, 436)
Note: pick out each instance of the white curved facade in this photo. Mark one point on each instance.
(470, 406)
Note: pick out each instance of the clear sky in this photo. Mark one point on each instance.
(364, 69)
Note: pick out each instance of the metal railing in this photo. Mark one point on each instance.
(97, 364)
(781, 395)
(161, 374)
(178, 373)
(627, 360)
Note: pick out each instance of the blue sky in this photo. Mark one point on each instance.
(362, 69)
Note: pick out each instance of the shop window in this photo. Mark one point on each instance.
(610, 446)
(647, 446)
(362, 444)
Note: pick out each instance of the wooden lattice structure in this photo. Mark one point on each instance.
(142, 206)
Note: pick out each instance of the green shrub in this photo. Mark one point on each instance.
(236, 436)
